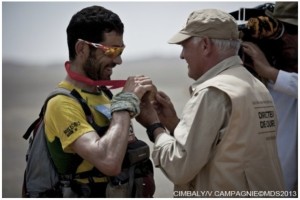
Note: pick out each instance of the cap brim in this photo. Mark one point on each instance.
(178, 38)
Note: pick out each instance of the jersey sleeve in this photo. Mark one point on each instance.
(66, 120)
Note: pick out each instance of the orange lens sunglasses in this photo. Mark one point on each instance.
(111, 52)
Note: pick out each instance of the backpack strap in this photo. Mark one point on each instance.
(74, 94)
(99, 129)
(131, 181)
(108, 93)
(32, 127)
(55, 92)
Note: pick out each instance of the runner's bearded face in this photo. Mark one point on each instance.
(101, 61)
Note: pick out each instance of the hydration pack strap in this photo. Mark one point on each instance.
(99, 129)
(32, 127)
(74, 94)
(41, 115)
(131, 181)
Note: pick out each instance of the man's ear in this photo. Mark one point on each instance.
(206, 45)
(81, 49)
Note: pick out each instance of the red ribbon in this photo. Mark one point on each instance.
(112, 84)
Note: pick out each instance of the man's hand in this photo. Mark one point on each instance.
(166, 111)
(260, 62)
(148, 114)
(139, 85)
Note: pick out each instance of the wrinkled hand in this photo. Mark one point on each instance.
(139, 85)
(260, 62)
(166, 111)
(148, 114)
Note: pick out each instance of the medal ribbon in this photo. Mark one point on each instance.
(112, 84)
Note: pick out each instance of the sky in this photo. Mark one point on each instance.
(36, 31)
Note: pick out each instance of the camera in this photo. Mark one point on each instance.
(261, 29)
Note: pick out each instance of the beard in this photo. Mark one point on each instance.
(91, 68)
(96, 70)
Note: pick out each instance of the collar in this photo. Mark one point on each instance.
(230, 62)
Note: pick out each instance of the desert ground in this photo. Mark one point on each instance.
(25, 86)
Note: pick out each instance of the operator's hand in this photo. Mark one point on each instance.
(139, 85)
(260, 62)
(166, 111)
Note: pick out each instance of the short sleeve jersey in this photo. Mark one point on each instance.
(65, 121)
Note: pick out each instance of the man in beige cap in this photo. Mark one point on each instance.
(224, 144)
(282, 82)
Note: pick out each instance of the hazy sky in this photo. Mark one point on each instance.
(36, 31)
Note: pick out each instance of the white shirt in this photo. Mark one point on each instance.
(285, 96)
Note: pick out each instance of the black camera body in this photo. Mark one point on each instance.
(256, 32)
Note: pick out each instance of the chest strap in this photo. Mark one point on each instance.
(90, 118)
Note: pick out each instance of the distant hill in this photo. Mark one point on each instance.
(151, 66)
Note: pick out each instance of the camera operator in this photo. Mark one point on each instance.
(282, 81)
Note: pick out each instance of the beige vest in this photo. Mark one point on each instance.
(246, 158)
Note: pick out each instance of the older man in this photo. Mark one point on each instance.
(226, 138)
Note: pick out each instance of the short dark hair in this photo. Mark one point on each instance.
(90, 24)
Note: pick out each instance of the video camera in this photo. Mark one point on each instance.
(255, 26)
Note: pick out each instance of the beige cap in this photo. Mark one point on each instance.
(286, 12)
(212, 23)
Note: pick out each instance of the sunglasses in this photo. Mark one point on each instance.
(111, 52)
